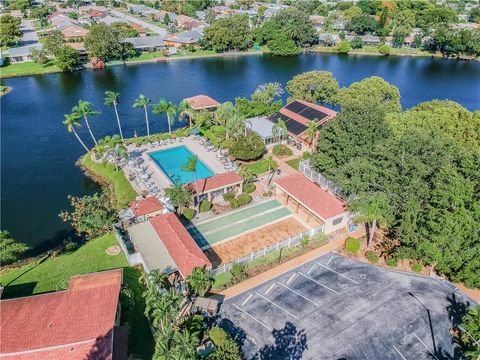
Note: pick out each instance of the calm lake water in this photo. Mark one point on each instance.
(38, 155)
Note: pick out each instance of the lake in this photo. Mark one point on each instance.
(38, 155)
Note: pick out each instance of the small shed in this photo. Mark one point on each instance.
(207, 305)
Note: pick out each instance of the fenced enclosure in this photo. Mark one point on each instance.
(288, 243)
(321, 180)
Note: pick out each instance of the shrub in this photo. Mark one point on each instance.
(384, 49)
(188, 213)
(249, 188)
(234, 203)
(228, 196)
(417, 267)
(219, 131)
(343, 47)
(239, 272)
(244, 199)
(356, 43)
(267, 194)
(248, 147)
(205, 206)
(70, 246)
(371, 256)
(218, 336)
(306, 155)
(282, 150)
(390, 261)
(352, 245)
(304, 242)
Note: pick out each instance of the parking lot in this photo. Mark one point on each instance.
(337, 308)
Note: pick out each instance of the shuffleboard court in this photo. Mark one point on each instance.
(237, 216)
(237, 223)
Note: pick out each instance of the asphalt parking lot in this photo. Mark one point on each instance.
(336, 308)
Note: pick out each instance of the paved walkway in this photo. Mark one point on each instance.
(154, 28)
(29, 35)
(276, 271)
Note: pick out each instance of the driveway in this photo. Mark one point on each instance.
(156, 29)
(335, 308)
(29, 35)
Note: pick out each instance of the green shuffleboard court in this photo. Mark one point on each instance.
(238, 222)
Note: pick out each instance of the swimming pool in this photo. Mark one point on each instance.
(170, 161)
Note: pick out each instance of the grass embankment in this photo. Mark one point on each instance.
(53, 274)
(373, 50)
(294, 163)
(27, 68)
(260, 166)
(117, 184)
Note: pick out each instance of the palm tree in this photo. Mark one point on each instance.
(311, 132)
(71, 121)
(191, 166)
(184, 109)
(143, 101)
(271, 164)
(186, 344)
(279, 129)
(111, 99)
(158, 278)
(107, 144)
(84, 108)
(169, 108)
(120, 152)
(199, 281)
(371, 210)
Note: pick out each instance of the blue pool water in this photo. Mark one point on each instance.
(170, 161)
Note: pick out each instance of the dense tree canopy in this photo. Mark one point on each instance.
(246, 148)
(424, 161)
(230, 33)
(361, 24)
(10, 249)
(124, 30)
(103, 42)
(264, 101)
(67, 58)
(9, 29)
(313, 86)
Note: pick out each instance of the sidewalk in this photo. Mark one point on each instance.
(276, 271)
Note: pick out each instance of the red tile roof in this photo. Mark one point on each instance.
(146, 206)
(140, 29)
(201, 102)
(180, 245)
(73, 324)
(215, 182)
(317, 200)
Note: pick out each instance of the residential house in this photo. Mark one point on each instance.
(318, 21)
(140, 29)
(97, 14)
(202, 102)
(327, 39)
(84, 10)
(142, 209)
(22, 53)
(72, 30)
(213, 188)
(109, 20)
(57, 18)
(141, 9)
(183, 39)
(79, 323)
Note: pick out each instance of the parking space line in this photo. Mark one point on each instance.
(270, 289)
(341, 351)
(296, 292)
(331, 258)
(254, 318)
(345, 276)
(271, 302)
(311, 268)
(399, 353)
(246, 300)
(294, 275)
(426, 347)
(319, 283)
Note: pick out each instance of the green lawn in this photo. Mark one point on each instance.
(183, 53)
(27, 68)
(260, 166)
(294, 163)
(117, 183)
(54, 273)
(146, 56)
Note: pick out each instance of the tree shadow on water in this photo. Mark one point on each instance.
(290, 344)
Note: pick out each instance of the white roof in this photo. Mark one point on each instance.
(261, 125)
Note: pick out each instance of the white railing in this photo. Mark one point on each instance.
(133, 257)
(288, 243)
(321, 180)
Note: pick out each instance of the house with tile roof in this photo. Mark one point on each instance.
(77, 323)
(202, 102)
(213, 187)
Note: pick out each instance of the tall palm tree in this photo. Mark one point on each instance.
(143, 102)
(191, 166)
(107, 144)
(111, 99)
(311, 132)
(271, 169)
(169, 108)
(371, 210)
(199, 281)
(187, 344)
(184, 109)
(279, 129)
(84, 108)
(71, 121)
(120, 152)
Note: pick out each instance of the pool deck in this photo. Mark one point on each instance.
(158, 177)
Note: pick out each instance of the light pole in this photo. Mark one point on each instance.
(429, 321)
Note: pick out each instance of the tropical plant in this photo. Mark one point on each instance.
(184, 110)
(248, 147)
(106, 145)
(168, 108)
(10, 249)
(470, 333)
(247, 175)
(191, 166)
(311, 132)
(199, 281)
(71, 122)
(143, 102)
(279, 129)
(84, 108)
(271, 168)
(119, 153)
(111, 99)
(179, 196)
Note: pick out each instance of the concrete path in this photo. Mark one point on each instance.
(154, 28)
